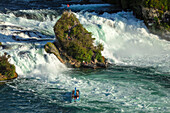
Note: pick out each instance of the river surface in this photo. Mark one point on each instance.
(137, 81)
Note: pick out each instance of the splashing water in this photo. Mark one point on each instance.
(126, 40)
(44, 84)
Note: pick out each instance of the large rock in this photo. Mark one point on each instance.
(157, 21)
(7, 70)
(50, 48)
(74, 44)
(4, 77)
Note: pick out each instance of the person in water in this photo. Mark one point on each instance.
(75, 94)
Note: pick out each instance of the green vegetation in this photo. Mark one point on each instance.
(161, 6)
(76, 40)
(158, 4)
(166, 26)
(51, 48)
(49, 45)
(0, 44)
(156, 11)
(7, 70)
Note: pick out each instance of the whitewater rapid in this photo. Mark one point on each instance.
(126, 39)
(127, 42)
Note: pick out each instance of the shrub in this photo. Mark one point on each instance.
(6, 68)
(157, 4)
(99, 57)
(75, 39)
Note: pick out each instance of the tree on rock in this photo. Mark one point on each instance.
(75, 40)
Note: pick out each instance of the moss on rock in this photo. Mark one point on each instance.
(74, 44)
(50, 48)
(75, 40)
(157, 4)
(7, 70)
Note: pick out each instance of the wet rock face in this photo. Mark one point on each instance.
(158, 23)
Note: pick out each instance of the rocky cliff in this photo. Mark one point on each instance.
(74, 44)
(155, 13)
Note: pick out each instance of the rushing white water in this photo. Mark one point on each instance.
(126, 41)
(45, 27)
(32, 61)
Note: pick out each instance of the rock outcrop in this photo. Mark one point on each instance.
(157, 21)
(155, 13)
(7, 70)
(74, 44)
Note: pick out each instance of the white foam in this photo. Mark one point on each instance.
(31, 61)
(45, 27)
(126, 39)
